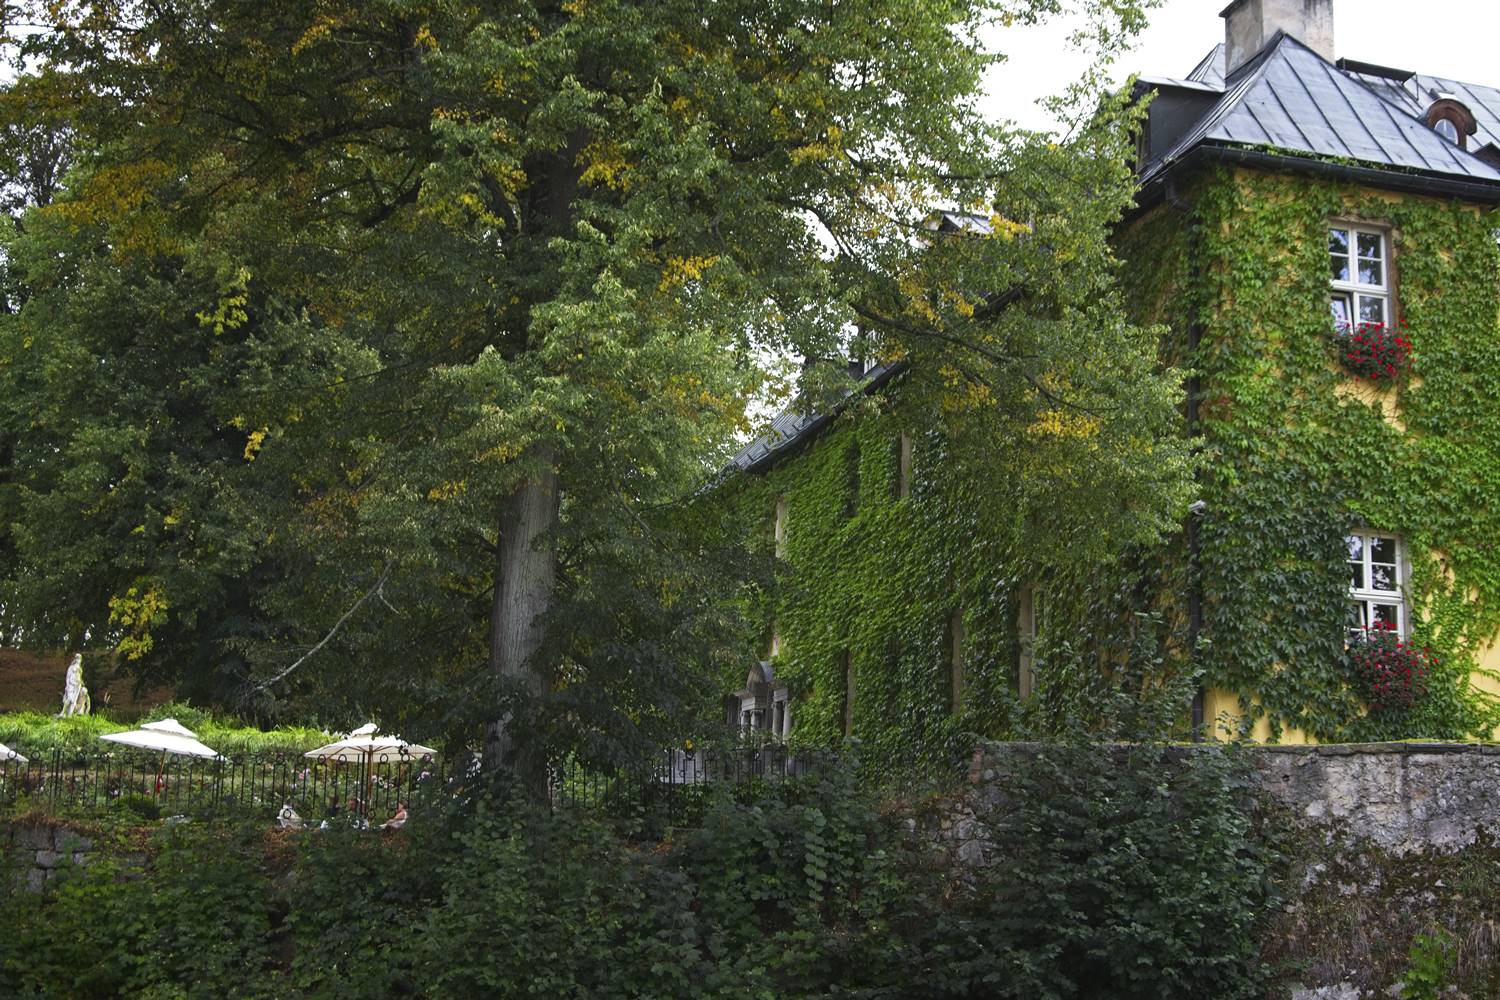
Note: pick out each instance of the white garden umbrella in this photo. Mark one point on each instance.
(168, 736)
(368, 745)
(6, 753)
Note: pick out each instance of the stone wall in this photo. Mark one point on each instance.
(1402, 796)
(36, 852)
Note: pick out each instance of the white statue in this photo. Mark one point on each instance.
(75, 695)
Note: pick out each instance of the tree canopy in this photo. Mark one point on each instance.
(372, 353)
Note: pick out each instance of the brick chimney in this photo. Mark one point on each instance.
(1250, 24)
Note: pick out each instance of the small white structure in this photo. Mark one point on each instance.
(763, 706)
(75, 695)
(7, 754)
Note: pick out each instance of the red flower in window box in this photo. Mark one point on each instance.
(1390, 673)
(1374, 351)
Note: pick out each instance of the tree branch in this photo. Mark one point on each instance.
(375, 591)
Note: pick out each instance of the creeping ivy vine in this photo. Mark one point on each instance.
(885, 578)
(1297, 453)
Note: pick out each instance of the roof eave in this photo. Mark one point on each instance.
(1153, 190)
(815, 426)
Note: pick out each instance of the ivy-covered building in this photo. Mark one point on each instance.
(1318, 237)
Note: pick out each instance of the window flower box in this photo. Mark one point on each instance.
(1373, 351)
(1389, 672)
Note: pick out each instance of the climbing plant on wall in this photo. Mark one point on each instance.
(916, 594)
(1299, 453)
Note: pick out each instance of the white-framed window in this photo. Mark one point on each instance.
(1376, 579)
(1359, 261)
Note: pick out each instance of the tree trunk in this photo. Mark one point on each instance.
(525, 566)
(525, 570)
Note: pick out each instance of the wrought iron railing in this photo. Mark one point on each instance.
(670, 789)
(84, 782)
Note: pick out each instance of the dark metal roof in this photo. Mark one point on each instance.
(1210, 69)
(960, 222)
(1148, 82)
(794, 428)
(1290, 100)
(1418, 91)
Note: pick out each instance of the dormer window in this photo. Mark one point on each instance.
(1451, 118)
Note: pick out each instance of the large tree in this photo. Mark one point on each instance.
(388, 329)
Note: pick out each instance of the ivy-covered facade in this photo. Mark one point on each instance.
(1339, 312)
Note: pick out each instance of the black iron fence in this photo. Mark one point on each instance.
(671, 789)
(674, 788)
(75, 782)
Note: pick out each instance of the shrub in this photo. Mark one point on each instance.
(1117, 873)
(197, 925)
(1124, 872)
(1432, 957)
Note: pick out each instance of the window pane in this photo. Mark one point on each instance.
(1383, 550)
(1384, 614)
(1357, 575)
(1446, 129)
(1356, 616)
(1339, 267)
(1371, 310)
(1371, 272)
(1356, 544)
(1338, 242)
(1369, 245)
(1382, 577)
(1339, 304)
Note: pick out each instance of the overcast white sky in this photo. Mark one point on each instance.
(1452, 38)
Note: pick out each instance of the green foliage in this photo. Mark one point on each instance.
(1102, 883)
(198, 925)
(1433, 955)
(977, 527)
(330, 285)
(1297, 455)
(40, 732)
(1127, 871)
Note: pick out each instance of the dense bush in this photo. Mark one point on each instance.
(1128, 871)
(1115, 873)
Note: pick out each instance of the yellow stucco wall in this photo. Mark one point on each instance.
(1487, 677)
(1221, 711)
(1221, 708)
